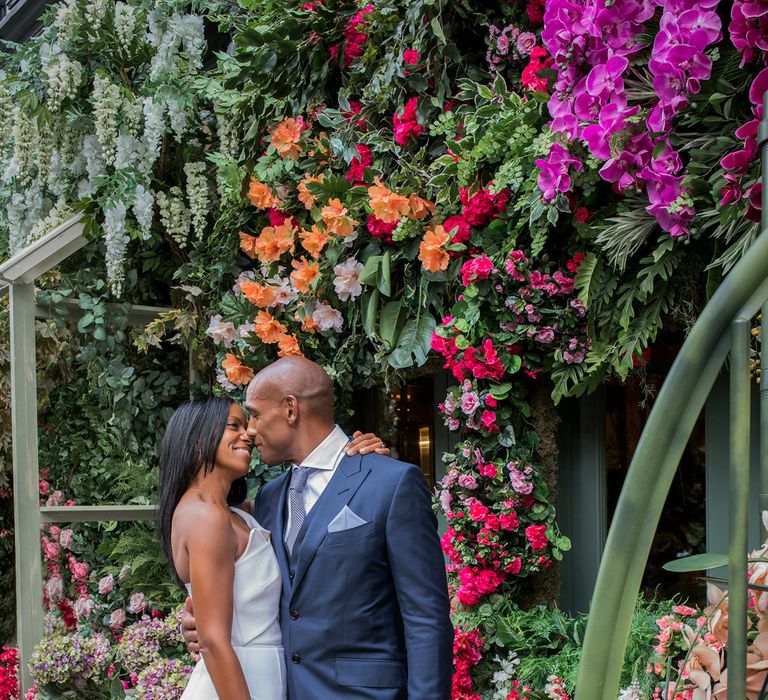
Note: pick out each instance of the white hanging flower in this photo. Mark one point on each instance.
(67, 18)
(125, 24)
(94, 159)
(190, 30)
(23, 135)
(197, 194)
(106, 102)
(132, 115)
(327, 318)
(347, 280)
(229, 142)
(154, 125)
(174, 215)
(177, 116)
(116, 242)
(63, 74)
(95, 12)
(58, 214)
(143, 210)
(24, 212)
(130, 152)
(633, 692)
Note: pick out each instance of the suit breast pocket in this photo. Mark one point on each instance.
(360, 533)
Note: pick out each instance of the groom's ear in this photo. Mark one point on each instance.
(291, 407)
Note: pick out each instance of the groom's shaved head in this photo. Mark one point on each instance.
(295, 376)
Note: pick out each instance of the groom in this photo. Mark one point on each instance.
(364, 609)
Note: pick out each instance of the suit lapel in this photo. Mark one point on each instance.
(349, 475)
(283, 482)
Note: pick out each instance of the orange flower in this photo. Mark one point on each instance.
(314, 240)
(273, 241)
(261, 196)
(304, 273)
(305, 196)
(420, 208)
(268, 328)
(432, 253)
(387, 205)
(336, 218)
(289, 345)
(248, 244)
(236, 371)
(286, 136)
(308, 325)
(261, 295)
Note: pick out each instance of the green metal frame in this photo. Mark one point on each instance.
(723, 325)
(18, 275)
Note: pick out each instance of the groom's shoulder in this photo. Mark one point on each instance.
(390, 469)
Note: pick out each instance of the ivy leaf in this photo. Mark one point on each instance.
(437, 30)
(414, 342)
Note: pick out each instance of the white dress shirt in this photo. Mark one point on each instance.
(324, 458)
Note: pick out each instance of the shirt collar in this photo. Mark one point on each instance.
(328, 452)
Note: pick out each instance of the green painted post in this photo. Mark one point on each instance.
(26, 478)
(739, 508)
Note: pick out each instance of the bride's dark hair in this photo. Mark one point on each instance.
(189, 445)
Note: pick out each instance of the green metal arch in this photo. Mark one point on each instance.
(653, 467)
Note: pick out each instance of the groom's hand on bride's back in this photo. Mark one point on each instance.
(189, 630)
(365, 443)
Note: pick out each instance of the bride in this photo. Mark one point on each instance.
(221, 554)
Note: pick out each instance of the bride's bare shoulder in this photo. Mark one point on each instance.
(196, 520)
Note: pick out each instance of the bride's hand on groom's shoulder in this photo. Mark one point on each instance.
(189, 630)
(364, 443)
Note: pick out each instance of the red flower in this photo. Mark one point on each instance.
(581, 215)
(405, 124)
(411, 57)
(463, 231)
(359, 164)
(382, 229)
(537, 536)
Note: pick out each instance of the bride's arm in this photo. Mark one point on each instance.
(212, 547)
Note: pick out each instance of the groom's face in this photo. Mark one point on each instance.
(269, 426)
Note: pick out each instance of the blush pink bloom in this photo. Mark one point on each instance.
(117, 619)
(106, 584)
(66, 538)
(137, 603)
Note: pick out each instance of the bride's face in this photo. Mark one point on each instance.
(234, 450)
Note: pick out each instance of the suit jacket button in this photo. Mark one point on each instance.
(294, 614)
(291, 574)
(296, 659)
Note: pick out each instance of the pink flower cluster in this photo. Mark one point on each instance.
(9, 667)
(355, 36)
(406, 125)
(483, 207)
(592, 44)
(748, 28)
(381, 229)
(539, 60)
(358, 165)
(480, 363)
(467, 653)
(476, 269)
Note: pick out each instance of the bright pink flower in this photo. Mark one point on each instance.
(411, 57)
(477, 511)
(405, 124)
(537, 536)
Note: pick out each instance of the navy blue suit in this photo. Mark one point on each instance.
(364, 611)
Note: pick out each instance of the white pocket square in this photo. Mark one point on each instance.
(346, 520)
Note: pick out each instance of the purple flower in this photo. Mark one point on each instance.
(606, 79)
(554, 176)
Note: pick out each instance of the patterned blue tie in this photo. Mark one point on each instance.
(296, 494)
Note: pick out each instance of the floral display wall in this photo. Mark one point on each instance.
(524, 192)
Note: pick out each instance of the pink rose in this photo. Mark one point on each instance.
(508, 521)
(137, 603)
(478, 511)
(467, 481)
(66, 538)
(488, 419)
(54, 531)
(106, 584)
(84, 606)
(469, 402)
(50, 549)
(79, 569)
(537, 536)
(489, 470)
(117, 619)
(54, 587)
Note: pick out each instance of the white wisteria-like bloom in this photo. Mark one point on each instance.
(63, 74)
(227, 131)
(67, 18)
(95, 12)
(327, 318)
(58, 214)
(174, 215)
(347, 280)
(190, 30)
(23, 135)
(116, 242)
(132, 115)
(197, 195)
(144, 210)
(222, 332)
(633, 692)
(85, 188)
(130, 152)
(56, 180)
(125, 24)
(154, 125)
(177, 117)
(94, 159)
(23, 213)
(106, 103)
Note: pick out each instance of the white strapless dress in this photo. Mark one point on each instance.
(256, 633)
